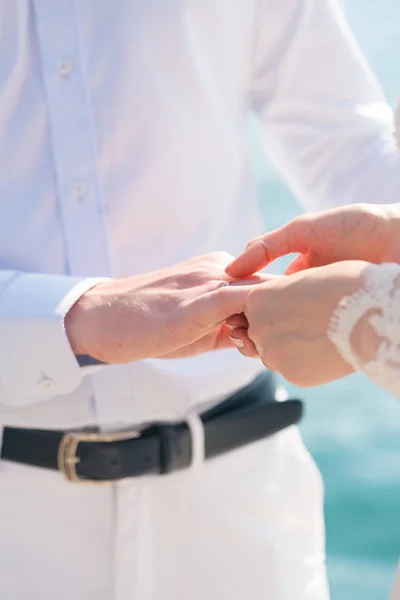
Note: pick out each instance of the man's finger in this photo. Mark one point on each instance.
(211, 341)
(267, 248)
(216, 306)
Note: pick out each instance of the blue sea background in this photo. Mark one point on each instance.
(351, 427)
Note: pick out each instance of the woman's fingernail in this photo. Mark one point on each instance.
(259, 349)
(236, 342)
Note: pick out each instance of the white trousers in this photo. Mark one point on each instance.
(247, 525)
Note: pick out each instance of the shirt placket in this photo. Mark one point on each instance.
(73, 139)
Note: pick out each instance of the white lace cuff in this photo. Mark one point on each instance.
(380, 299)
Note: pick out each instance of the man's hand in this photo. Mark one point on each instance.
(175, 312)
(357, 232)
(286, 322)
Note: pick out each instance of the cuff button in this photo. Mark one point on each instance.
(47, 384)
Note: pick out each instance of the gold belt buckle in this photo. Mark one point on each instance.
(67, 458)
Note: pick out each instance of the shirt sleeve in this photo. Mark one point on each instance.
(36, 359)
(325, 123)
(375, 310)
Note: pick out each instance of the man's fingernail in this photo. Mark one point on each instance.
(236, 342)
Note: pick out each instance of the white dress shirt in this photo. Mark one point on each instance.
(124, 148)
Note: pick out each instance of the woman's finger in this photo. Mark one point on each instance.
(301, 263)
(242, 342)
(263, 250)
(237, 321)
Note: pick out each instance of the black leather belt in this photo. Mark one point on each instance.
(249, 415)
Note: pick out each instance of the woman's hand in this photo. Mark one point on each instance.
(288, 319)
(358, 232)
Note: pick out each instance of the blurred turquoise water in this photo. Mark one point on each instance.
(351, 427)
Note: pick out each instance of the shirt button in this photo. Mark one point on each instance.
(79, 191)
(64, 68)
(47, 384)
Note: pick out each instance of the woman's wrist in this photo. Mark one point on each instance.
(364, 339)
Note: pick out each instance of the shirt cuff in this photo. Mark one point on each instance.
(36, 358)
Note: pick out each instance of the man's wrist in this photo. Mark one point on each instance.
(74, 323)
(77, 322)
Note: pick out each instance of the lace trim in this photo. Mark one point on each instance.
(381, 294)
